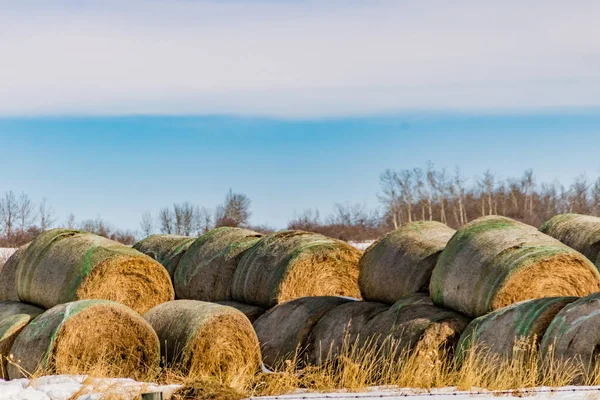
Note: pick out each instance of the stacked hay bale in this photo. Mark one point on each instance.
(284, 330)
(14, 316)
(63, 265)
(581, 232)
(511, 331)
(495, 261)
(206, 270)
(401, 262)
(86, 336)
(8, 275)
(166, 249)
(206, 339)
(250, 311)
(291, 264)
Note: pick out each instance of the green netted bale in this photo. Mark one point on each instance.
(166, 249)
(206, 339)
(63, 265)
(495, 261)
(283, 331)
(292, 264)
(511, 330)
(8, 275)
(250, 311)
(581, 232)
(338, 330)
(86, 336)
(206, 270)
(401, 262)
(574, 334)
(14, 316)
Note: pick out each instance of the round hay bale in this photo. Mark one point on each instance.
(338, 330)
(63, 265)
(206, 270)
(407, 328)
(250, 311)
(166, 249)
(508, 331)
(581, 232)
(401, 262)
(8, 275)
(87, 336)
(206, 339)
(283, 331)
(292, 264)
(14, 316)
(574, 334)
(495, 261)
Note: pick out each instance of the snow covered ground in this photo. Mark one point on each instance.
(361, 245)
(5, 253)
(78, 387)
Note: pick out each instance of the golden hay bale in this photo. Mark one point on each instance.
(8, 275)
(206, 339)
(494, 261)
(574, 334)
(166, 249)
(250, 311)
(63, 265)
(292, 264)
(14, 316)
(87, 336)
(401, 262)
(508, 331)
(411, 328)
(581, 232)
(206, 270)
(283, 331)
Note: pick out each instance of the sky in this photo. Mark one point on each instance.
(112, 108)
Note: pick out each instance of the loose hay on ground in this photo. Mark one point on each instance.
(63, 265)
(206, 340)
(495, 261)
(8, 275)
(401, 262)
(206, 270)
(581, 232)
(85, 336)
(292, 264)
(166, 249)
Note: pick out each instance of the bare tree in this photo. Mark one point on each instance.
(70, 223)
(580, 195)
(235, 211)
(46, 215)
(25, 212)
(391, 196)
(187, 218)
(165, 220)
(9, 208)
(405, 184)
(203, 220)
(147, 224)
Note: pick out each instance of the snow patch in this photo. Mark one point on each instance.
(362, 246)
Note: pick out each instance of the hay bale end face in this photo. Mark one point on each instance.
(87, 336)
(292, 264)
(251, 312)
(206, 339)
(283, 331)
(511, 330)
(206, 270)
(581, 232)
(166, 249)
(64, 265)
(573, 335)
(14, 316)
(495, 261)
(8, 275)
(401, 262)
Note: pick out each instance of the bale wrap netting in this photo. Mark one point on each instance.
(511, 331)
(292, 264)
(14, 316)
(8, 275)
(283, 331)
(87, 337)
(166, 249)
(581, 232)
(574, 334)
(206, 339)
(64, 265)
(401, 262)
(495, 261)
(206, 270)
